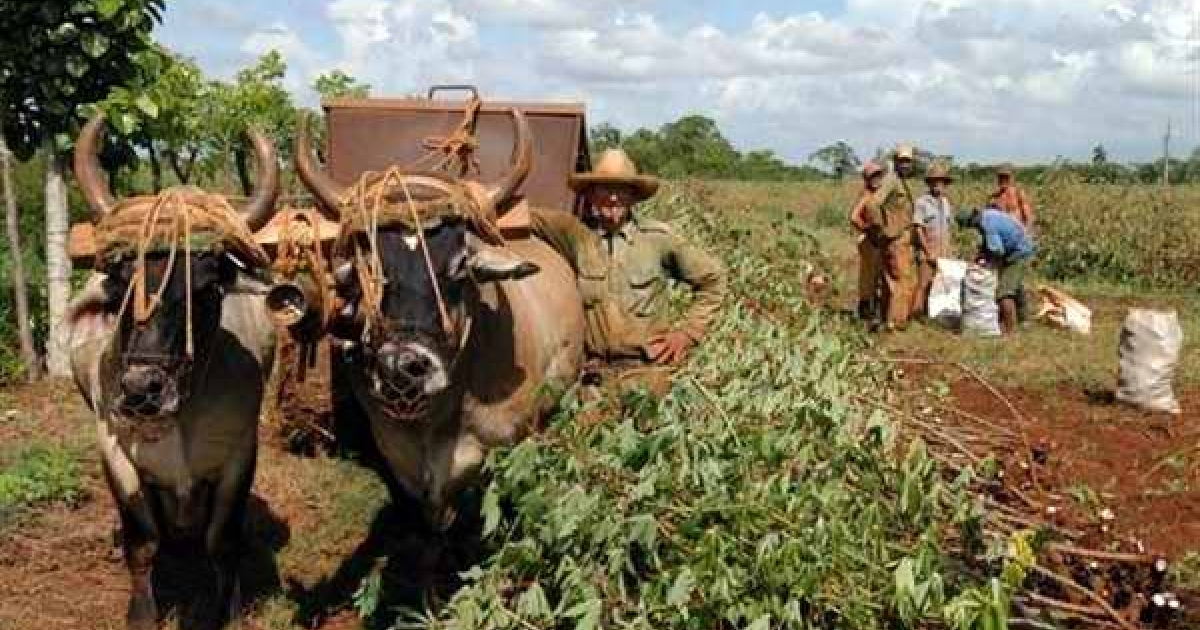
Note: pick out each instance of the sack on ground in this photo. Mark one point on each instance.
(980, 314)
(945, 294)
(1150, 345)
(1063, 311)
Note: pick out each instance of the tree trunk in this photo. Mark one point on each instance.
(58, 264)
(12, 220)
(182, 173)
(243, 171)
(156, 172)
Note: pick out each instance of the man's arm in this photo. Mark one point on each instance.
(1027, 217)
(858, 214)
(993, 243)
(706, 276)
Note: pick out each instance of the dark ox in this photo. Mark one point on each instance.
(441, 388)
(176, 433)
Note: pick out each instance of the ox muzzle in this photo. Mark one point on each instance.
(151, 392)
(406, 376)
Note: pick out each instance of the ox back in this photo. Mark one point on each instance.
(526, 344)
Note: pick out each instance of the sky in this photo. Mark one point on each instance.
(982, 80)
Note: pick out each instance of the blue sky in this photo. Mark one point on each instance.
(979, 79)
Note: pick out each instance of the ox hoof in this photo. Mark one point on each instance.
(142, 615)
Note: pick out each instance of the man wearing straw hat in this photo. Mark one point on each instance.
(890, 210)
(625, 264)
(934, 216)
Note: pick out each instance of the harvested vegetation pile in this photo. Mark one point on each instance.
(755, 494)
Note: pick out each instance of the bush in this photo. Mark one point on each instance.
(755, 494)
(38, 475)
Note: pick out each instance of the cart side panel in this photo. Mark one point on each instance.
(371, 136)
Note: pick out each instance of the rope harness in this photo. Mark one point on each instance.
(177, 218)
(385, 200)
(456, 152)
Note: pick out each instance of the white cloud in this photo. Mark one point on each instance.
(991, 75)
(303, 64)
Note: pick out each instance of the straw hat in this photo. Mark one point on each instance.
(1005, 169)
(938, 171)
(904, 151)
(615, 168)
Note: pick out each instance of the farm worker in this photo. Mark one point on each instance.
(1010, 198)
(870, 243)
(1006, 248)
(935, 214)
(625, 264)
(889, 209)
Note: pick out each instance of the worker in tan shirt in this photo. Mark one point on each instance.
(625, 264)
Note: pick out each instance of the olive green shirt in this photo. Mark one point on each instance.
(892, 207)
(624, 279)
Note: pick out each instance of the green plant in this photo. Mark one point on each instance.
(755, 494)
(831, 216)
(37, 475)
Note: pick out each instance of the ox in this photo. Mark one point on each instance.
(474, 337)
(177, 431)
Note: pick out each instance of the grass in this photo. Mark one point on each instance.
(1042, 357)
(36, 475)
(1115, 234)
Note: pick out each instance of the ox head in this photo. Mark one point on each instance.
(152, 351)
(409, 307)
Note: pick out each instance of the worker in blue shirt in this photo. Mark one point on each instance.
(1006, 248)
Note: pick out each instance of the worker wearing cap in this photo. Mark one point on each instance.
(625, 264)
(934, 216)
(1010, 198)
(890, 210)
(870, 244)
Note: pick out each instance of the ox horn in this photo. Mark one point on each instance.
(522, 161)
(260, 207)
(92, 181)
(329, 193)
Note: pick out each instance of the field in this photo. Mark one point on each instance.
(797, 473)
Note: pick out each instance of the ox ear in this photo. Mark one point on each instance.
(490, 264)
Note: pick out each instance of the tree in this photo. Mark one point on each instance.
(694, 146)
(338, 84)
(256, 97)
(54, 58)
(1099, 155)
(160, 114)
(12, 223)
(838, 158)
(603, 137)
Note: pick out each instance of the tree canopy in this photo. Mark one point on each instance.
(694, 146)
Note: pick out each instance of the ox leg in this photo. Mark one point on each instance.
(225, 540)
(139, 544)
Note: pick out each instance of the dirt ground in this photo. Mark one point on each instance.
(61, 568)
(1096, 455)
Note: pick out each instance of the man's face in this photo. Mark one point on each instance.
(875, 181)
(1004, 179)
(904, 167)
(937, 187)
(610, 205)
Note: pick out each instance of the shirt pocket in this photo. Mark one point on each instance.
(645, 284)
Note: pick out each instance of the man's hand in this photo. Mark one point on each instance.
(669, 348)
